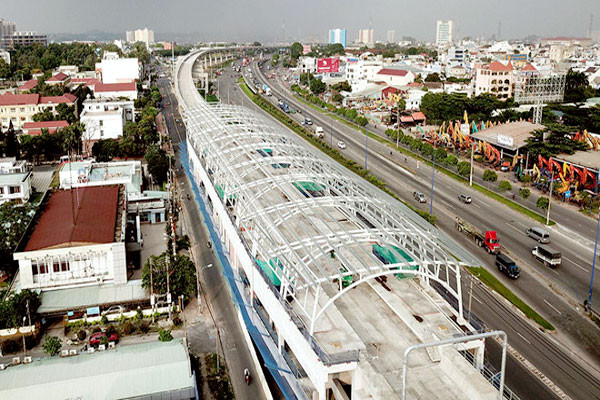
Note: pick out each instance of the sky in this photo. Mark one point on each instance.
(272, 20)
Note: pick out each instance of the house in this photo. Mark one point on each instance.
(15, 180)
(105, 118)
(116, 90)
(457, 71)
(80, 174)
(35, 128)
(118, 70)
(20, 108)
(89, 82)
(395, 77)
(79, 240)
(59, 79)
(27, 86)
(495, 78)
(70, 70)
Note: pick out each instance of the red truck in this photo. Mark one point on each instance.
(489, 241)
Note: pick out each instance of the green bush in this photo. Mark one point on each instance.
(490, 176)
(503, 186)
(52, 345)
(526, 178)
(427, 150)
(104, 320)
(144, 327)
(542, 203)
(451, 159)
(127, 328)
(464, 168)
(440, 154)
(177, 321)
(139, 315)
(164, 335)
(524, 193)
(110, 329)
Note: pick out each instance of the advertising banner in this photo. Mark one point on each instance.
(328, 65)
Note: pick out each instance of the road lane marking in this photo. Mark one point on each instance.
(575, 264)
(523, 337)
(475, 205)
(551, 306)
(516, 229)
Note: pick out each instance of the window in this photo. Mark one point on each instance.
(34, 268)
(56, 267)
(14, 189)
(64, 266)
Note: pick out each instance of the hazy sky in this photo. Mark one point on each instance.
(263, 19)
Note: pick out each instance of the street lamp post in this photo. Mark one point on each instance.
(550, 197)
(198, 281)
(432, 181)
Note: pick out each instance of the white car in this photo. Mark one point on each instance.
(341, 145)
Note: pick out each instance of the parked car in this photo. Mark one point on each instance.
(341, 145)
(420, 197)
(97, 337)
(465, 199)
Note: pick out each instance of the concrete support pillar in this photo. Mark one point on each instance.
(280, 342)
(479, 357)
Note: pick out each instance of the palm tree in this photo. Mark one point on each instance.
(72, 138)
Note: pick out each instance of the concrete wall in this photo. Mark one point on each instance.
(119, 71)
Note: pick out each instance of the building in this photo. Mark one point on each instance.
(116, 90)
(15, 180)
(27, 86)
(443, 33)
(152, 370)
(390, 36)
(559, 52)
(35, 128)
(5, 55)
(105, 118)
(79, 240)
(360, 72)
(23, 39)
(7, 28)
(566, 41)
(145, 36)
(130, 36)
(70, 70)
(20, 108)
(80, 174)
(365, 36)
(508, 138)
(495, 78)
(119, 70)
(337, 36)
(395, 77)
(59, 79)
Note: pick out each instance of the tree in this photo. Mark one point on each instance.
(577, 87)
(66, 113)
(164, 335)
(4, 69)
(182, 278)
(434, 77)
(306, 77)
(71, 138)
(427, 150)
(52, 345)
(106, 149)
(542, 203)
(296, 50)
(464, 168)
(42, 116)
(342, 87)
(524, 193)
(317, 86)
(451, 159)
(503, 186)
(158, 163)
(490, 176)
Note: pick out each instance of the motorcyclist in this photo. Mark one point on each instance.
(247, 376)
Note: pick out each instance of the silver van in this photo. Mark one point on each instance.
(539, 234)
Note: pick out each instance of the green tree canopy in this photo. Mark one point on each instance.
(296, 50)
(182, 278)
(158, 163)
(317, 86)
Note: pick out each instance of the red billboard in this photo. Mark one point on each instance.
(328, 65)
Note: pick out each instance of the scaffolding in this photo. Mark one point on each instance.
(538, 90)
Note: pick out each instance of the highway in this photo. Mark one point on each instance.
(216, 290)
(552, 358)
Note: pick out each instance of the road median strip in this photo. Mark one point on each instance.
(498, 197)
(492, 282)
(325, 148)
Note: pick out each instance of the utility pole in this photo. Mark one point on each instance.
(151, 289)
(432, 181)
(29, 317)
(550, 196)
(589, 299)
(398, 123)
(471, 173)
(470, 296)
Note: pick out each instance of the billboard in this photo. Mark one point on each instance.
(305, 48)
(328, 65)
(505, 140)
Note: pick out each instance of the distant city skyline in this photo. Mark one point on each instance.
(311, 19)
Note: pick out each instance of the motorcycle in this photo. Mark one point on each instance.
(247, 376)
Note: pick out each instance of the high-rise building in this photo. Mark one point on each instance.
(7, 28)
(23, 39)
(337, 36)
(145, 36)
(390, 36)
(443, 34)
(365, 36)
(130, 36)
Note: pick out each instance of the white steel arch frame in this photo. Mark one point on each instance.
(306, 219)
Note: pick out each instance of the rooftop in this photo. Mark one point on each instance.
(35, 99)
(60, 77)
(13, 179)
(30, 84)
(134, 371)
(393, 72)
(77, 217)
(518, 131)
(589, 159)
(115, 87)
(498, 66)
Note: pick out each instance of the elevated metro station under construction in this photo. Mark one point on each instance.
(334, 278)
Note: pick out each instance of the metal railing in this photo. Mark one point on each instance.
(490, 373)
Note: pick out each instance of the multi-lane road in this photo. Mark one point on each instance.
(564, 367)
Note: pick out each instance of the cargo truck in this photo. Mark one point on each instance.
(547, 255)
(488, 240)
(507, 266)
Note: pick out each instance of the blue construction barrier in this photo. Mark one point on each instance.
(236, 295)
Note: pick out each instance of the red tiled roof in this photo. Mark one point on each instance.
(415, 84)
(529, 67)
(65, 98)
(591, 70)
(394, 72)
(95, 209)
(45, 124)
(115, 87)
(418, 116)
(405, 118)
(30, 84)
(498, 66)
(86, 81)
(19, 99)
(61, 76)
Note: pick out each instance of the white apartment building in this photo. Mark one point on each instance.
(15, 180)
(116, 90)
(120, 70)
(365, 36)
(67, 250)
(390, 36)
(105, 118)
(360, 73)
(444, 32)
(80, 174)
(20, 108)
(495, 78)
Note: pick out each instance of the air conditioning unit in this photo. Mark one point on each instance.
(100, 279)
(27, 360)
(16, 360)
